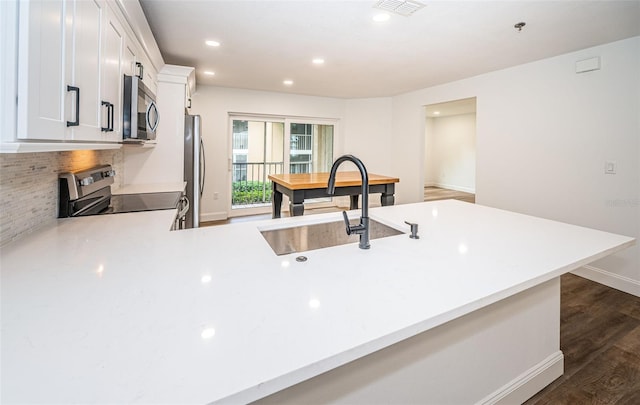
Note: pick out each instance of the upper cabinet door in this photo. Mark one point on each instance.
(112, 77)
(42, 73)
(59, 72)
(88, 24)
(150, 76)
(130, 55)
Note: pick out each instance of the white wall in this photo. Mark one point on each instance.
(367, 133)
(543, 136)
(450, 152)
(163, 163)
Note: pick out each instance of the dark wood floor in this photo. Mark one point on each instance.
(600, 339)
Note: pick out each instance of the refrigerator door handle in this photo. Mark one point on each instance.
(203, 167)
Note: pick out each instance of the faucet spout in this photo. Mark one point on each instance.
(363, 228)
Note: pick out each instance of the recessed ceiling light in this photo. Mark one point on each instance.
(287, 82)
(318, 61)
(381, 17)
(436, 113)
(209, 73)
(212, 43)
(208, 333)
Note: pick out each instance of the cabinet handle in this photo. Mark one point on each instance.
(109, 127)
(106, 129)
(77, 121)
(111, 116)
(141, 70)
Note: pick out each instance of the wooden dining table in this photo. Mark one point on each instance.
(303, 186)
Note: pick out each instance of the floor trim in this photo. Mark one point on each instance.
(471, 190)
(528, 383)
(609, 279)
(213, 216)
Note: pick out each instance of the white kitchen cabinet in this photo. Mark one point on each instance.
(71, 89)
(111, 80)
(68, 76)
(130, 57)
(59, 90)
(149, 75)
(85, 65)
(43, 77)
(135, 63)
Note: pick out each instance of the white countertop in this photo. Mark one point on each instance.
(212, 314)
(150, 188)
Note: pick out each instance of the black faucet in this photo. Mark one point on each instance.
(361, 229)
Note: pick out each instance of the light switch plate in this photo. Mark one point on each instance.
(610, 167)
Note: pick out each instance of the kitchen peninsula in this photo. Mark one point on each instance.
(118, 309)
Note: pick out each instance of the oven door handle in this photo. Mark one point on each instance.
(180, 221)
(80, 212)
(184, 204)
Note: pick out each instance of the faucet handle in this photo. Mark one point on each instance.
(346, 222)
(414, 230)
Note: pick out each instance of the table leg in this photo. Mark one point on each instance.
(353, 204)
(296, 209)
(276, 203)
(387, 199)
(296, 202)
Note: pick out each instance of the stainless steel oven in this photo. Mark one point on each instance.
(88, 192)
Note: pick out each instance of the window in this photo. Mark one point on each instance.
(263, 146)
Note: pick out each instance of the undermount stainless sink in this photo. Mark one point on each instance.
(317, 236)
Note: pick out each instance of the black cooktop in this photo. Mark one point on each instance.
(121, 203)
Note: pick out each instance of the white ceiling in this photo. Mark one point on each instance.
(264, 42)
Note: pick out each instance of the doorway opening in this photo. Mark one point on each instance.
(450, 150)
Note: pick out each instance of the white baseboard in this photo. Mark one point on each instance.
(213, 216)
(528, 383)
(609, 279)
(451, 187)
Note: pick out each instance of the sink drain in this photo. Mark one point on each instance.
(301, 259)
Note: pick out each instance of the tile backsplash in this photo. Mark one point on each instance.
(29, 186)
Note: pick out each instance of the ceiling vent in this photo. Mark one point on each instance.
(402, 7)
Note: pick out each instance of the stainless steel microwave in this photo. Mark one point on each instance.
(140, 113)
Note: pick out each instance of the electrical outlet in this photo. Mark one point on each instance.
(216, 195)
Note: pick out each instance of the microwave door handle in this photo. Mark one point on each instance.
(152, 125)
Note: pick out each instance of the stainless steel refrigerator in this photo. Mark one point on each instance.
(194, 168)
